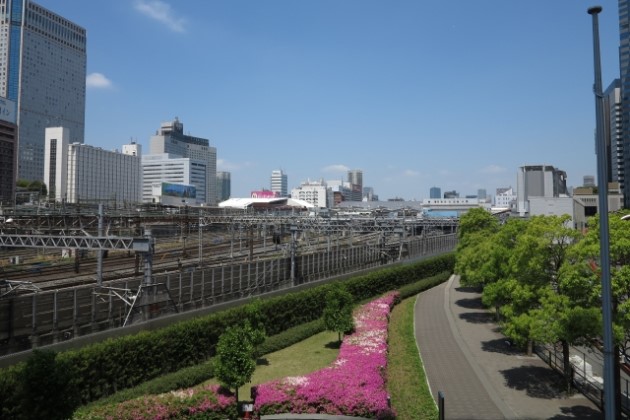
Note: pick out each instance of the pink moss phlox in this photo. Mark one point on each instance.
(174, 404)
(353, 385)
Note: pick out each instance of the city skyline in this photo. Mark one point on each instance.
(414, 94)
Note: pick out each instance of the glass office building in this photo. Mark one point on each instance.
(43, 69)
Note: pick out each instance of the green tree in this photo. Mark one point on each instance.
(22, 183)
(485, 259)
(255, 323)
(338, 310)
(476, 220)
(540, 252)
(47, 389)
(584, 269)
(559, 319)
(235, 362)
(38, 186)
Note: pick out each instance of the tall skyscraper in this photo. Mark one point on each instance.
(435, 192)
(224, 186)
(8, 152)
(624, 70)
(171, 139)
(42, 69)
(279, 183)
(355, 177)
(613, 134)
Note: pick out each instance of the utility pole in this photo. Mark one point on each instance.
(602, 186)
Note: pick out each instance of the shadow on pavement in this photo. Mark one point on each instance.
(537, 382)
(578, 412)
(473, 303)
(500, 345)
(469, 289)
(477, 317)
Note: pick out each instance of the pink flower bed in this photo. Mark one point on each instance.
(353, 385)
(211, 400)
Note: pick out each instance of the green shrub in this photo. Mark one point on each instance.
(424, 284)
(104, 368)
(46, 389)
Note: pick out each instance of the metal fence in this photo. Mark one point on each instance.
(50, 317)
(585, 377)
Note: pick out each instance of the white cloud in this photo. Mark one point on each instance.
(493, 169)
(98, 81)
(335, 168)
(409, 172)
(162, 12)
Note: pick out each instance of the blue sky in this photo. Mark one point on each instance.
(454, 94)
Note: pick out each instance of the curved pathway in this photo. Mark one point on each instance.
(479, 374)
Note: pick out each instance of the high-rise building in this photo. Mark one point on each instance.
(42, 69)
(82, 173)
(355, 177)
(624, 70)
(435, 192)
(56, 163)
(368, 194)
(164, 168)
(279, 183)
(588, 181)
(171, 139)
(539, 181)
(613, 134)
(8, 151)
(224, 186)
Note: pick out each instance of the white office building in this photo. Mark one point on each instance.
(165, 168)
(171, 139)
(279, 183)
(316, 193)
(505, 197)
(56, 162)
(78, 172)
(42, 69)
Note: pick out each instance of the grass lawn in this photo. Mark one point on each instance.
(406, 380)
(307, 356)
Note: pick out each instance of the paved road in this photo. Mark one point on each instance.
(481, 377)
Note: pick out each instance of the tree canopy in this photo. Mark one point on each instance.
(338, 310)
(235, 362)
(537, 274)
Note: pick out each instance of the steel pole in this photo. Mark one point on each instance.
(602, 186)
(99, 266)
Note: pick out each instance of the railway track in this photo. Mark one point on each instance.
(172, 254)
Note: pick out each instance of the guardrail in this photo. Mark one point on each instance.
(585, 379)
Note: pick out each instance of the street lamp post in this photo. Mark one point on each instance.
(609, 356)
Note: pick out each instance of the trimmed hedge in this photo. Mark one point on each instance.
(422, 285)
(194, 375)
(116, 364)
